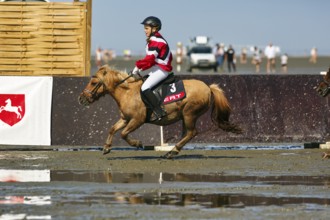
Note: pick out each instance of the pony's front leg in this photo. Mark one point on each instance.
(131, 126)
(117, 126)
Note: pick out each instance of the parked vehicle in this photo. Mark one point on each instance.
(200, 55)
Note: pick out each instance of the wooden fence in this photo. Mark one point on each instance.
(45, 38)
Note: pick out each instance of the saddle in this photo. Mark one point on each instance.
(167, 91)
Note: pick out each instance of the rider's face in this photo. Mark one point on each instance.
(148, 30)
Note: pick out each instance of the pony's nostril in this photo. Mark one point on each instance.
(83, 100)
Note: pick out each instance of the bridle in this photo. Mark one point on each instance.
(94, 93)
(100, 83)
(324, 91)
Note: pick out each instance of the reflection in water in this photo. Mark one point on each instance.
(117, 177)
(27, 200)
(24, 216)
(187, 199)
(24, 175)
(207, 200)
(160, 196)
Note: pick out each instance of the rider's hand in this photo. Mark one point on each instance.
(136, 70)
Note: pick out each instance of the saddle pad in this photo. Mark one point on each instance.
(173, 92)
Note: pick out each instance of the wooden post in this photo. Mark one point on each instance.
(163, 146)
(88, 37)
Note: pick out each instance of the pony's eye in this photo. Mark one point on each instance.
(93, 82)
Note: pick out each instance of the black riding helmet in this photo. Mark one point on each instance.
(153, 22)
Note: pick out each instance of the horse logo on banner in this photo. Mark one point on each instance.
(12, 108)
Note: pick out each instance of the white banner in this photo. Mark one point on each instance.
(25, 110)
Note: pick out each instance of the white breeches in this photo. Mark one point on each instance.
(156, 75)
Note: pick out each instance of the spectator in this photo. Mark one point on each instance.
(220, 55)
(231, 59)
(179, 56)
(243, 57)
(127, 54)
(270, 53)
(107, 56)
(256, 58)
(98, 57)
(313, 58)
(284, 63)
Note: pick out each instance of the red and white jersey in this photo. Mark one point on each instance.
(158, 53)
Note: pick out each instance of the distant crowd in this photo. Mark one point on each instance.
(270, 52)
(226, 57)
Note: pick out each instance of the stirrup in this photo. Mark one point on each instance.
(158, 115)
(154, 117)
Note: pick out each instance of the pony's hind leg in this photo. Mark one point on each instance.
(189, 124)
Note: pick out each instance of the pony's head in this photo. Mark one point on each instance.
(105, 80)
(95, 88)
(324, 87)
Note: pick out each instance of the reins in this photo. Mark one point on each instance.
(101, 83)
(123, 80)
(130, 74)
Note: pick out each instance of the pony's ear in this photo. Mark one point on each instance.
(105, 70)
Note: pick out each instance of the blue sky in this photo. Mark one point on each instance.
(294, 25)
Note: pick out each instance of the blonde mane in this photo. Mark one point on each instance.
(115, 75)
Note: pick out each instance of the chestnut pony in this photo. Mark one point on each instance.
(125, 90)
(324, 87)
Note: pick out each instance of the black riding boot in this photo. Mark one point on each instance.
(159, 112)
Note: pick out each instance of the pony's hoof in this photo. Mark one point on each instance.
(170, 154)
(106, 150)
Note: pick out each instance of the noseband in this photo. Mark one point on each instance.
(325, 90)
(94, 93)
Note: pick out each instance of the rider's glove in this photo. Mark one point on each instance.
(136, 70)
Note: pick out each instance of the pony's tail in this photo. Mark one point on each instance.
(221, 111)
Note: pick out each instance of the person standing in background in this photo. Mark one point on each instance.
(256, 58)
(284, 63)
(270, 53)
(179, 56)
(220, 55)
(98, 57)
(313, 58)
(243, 57)
(231, 59)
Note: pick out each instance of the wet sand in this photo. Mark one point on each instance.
(198, 184)
(226, 162)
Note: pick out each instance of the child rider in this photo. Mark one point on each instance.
(157, 61)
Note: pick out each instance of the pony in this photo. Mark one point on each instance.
(323, 89)
(125, 90)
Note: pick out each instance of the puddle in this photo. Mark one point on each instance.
(206, 200)
(78, 189)
(24, 175)
(26, 200)
(117, 177)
